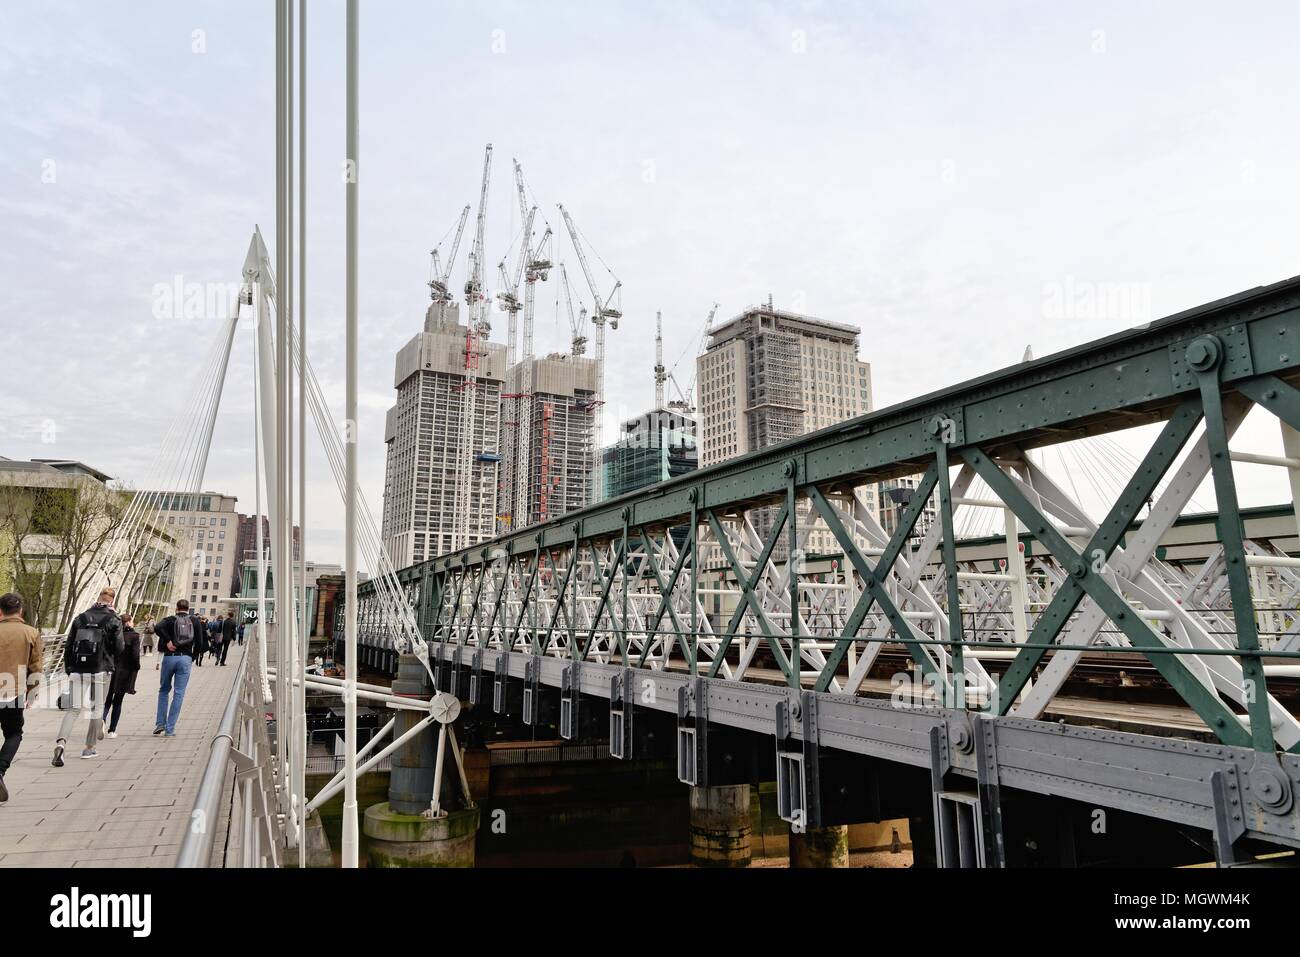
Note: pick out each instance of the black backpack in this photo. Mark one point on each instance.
(88, 644)
(90, 648)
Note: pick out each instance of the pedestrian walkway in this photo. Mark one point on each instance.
(130, 806)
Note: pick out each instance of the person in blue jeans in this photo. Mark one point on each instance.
(176, 636)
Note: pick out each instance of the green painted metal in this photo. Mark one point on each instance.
(943, 429)
(1205, 703)
(792, 569)
(1153, 468)
(1143, 375)
(1205, 356)
(604, 597)
(665, 589)
(871, 582)
(746, 583)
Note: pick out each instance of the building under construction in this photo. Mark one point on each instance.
(548, 455)
(423, 434)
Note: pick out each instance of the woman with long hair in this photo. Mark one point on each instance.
(123, 680)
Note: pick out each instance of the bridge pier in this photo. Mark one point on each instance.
(820, 847)
(399, 832)
(720, 826)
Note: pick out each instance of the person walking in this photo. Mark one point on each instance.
(176, 636)
(123, 681)
(89, 656)
(146, 636)
(200, 647)
(240, 634)
(214, 639)
(20, 678)
(228, 630)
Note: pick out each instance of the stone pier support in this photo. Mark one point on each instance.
(399, 832)
(720, 827)
(820, 847)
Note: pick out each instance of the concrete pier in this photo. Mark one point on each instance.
(412, 840)
(720, 826)
(820, 847)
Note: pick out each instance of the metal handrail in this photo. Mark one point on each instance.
(241, 739)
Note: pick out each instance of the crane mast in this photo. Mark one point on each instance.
(476, 330)
(660, 375)
(606, 310)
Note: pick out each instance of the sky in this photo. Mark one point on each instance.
(959, 180)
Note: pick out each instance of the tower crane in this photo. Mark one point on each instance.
(685, 401)
(576, 325)
(535, 261)
(508, 295)
(660, 375)
(477, 328)
(440, 275)
(607, 309)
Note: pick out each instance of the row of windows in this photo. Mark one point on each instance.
(196, 520)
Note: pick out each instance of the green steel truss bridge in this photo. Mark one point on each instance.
(694, 607)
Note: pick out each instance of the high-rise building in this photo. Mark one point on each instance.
(212, 524)
(651, 448)
(246, 546)
(552, 399)
(767, 376)
(423, 434)
(895, 496)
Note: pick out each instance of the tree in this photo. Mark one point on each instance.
(27, 516)
(91, 517)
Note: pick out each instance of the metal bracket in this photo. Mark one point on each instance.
(532, 689)
(499, 683)
(476, 677)
(620, 714)
(455, 671)
(989, 790)
(1237, 362)
(435, 652)
(1229, 820)
(570, 694)
(796, 764)
(692, 727)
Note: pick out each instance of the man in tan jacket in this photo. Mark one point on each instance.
(20, 676)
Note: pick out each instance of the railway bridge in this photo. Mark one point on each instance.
(922, 674)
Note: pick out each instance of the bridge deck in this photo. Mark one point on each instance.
(130, 806)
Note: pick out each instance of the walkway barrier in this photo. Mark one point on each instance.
(256, 833)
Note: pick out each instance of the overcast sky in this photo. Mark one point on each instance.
(956, 179)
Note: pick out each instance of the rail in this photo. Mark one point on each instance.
(242, 742)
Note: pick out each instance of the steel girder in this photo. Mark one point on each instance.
(676, 581)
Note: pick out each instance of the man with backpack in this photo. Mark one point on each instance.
(89, 655)
(177, 636)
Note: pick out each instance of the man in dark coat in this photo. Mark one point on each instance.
(228, 629)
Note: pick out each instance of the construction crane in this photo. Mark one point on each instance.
(685, 401)
(477, 329)
(660, 375)
(607, 309)
(576, 325)
(440, 275)
(508, 296)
